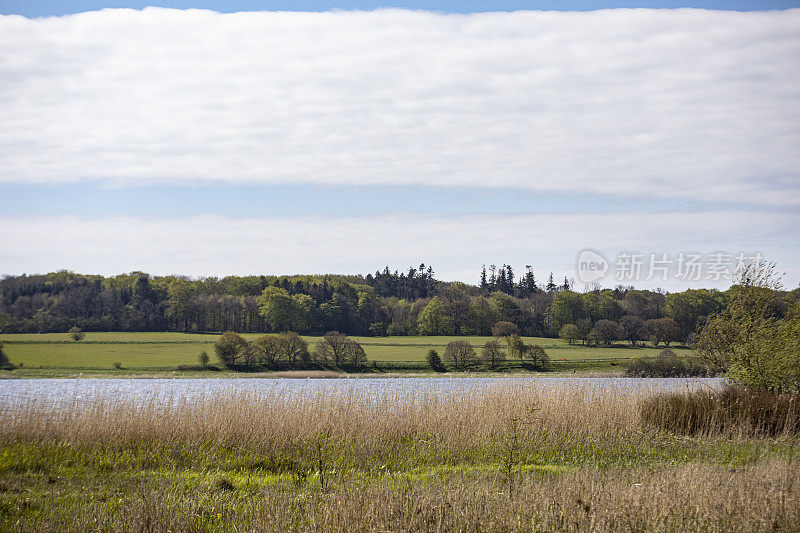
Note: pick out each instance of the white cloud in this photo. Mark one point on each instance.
(683, 103)
(456, 245)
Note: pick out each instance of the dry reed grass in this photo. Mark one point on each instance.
(733, 411)
(269, 421)
(584, 461)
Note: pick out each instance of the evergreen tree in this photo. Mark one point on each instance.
(509, 280)
(551, 286)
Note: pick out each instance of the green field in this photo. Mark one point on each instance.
(159, 352)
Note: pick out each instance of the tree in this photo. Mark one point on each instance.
(203, 358)
(180, 294)
(492, 353)
(302, 312)
(266, 351)
(277, 307)
(434, 361)
(551, 286)
(76, 334)
(515, 347)
(567, 308)
(504, 329)
(609, 331)
(585, 328)
(633, 328)
(662, 330)
(569, 333)
(750, 339)
(536, 356)
(434, 321)
(689, 308)
(232, 349)
(339, 350)
(294, 348)
(461, 353)
(4, 362)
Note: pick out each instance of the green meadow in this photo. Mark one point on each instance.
(53, 353)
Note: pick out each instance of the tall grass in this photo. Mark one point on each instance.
(733, 411)
(511, 457)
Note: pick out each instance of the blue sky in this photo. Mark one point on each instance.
(56, 8)
(203, 143)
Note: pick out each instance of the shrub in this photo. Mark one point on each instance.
(76, 334)
(667, 364)
(203, 358)
(4, 362)
(732, 411)
(434, 361)
(117, 365)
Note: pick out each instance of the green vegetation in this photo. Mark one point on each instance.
(76, 334)
(755, 339)
(5, 364)
(502, 459)
(668, 364)
(52, 354)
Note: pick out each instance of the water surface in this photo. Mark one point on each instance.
(68, 391)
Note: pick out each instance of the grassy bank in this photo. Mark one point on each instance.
(55, 355)
(508, 458)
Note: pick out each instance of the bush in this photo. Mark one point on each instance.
(667, 364)
(203, 358)
(434, 361)
(117, 365)
(76, 334)
(4, 362)
(197, 368)
(734, 411)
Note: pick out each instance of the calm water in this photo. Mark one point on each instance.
(65, 391)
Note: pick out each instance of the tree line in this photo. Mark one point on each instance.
(386, 303)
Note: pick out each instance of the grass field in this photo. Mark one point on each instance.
(160, 352)
(530, 458)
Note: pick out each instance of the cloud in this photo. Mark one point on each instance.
(455, 245)
(682, 103)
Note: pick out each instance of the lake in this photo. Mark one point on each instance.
(67, 391)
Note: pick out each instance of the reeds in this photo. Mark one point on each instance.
(511, 457)
(732, 411)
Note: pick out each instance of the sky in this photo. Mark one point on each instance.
(237, 139)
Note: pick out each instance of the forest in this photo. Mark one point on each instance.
(385, 303)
